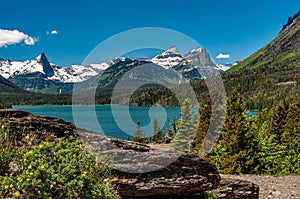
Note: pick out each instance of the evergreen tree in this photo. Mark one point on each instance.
(232, 150)
(139, 136)
(203, 125)
(156, 133)
(186, 128)
(278, 120)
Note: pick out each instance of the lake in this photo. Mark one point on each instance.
(110, 120)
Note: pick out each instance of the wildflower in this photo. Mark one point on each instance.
(31, 173)
(42, 167)
(19, 179)
(84, 174)
(11, 185)
(40, 146)
(30, 152)
(27, 179)
(30, 167)
(6, 187)
(51, 186)
(17, 194)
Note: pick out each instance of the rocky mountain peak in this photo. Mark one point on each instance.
(199, 57)
(43, 60)
(171, 50)
(292, 21)
(168, 58)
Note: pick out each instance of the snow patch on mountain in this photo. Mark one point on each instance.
(168, 58)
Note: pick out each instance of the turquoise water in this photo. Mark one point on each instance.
(103, 121)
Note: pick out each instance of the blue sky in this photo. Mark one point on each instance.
(235, 27)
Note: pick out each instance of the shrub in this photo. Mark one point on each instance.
(57, 169)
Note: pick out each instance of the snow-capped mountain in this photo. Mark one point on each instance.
(39, 74)
(168, 58)
(39, 64)
(70, 74)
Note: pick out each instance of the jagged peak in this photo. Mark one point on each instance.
(196, 50)
(42, 57)
(291, 20)
(172, 50)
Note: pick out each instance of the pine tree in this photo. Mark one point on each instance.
(278, 121)
(186, 128)
(203, 124)
(138, 135)
(156, 133)
(231, 153)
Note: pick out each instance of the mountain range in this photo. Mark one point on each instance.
(42, 76)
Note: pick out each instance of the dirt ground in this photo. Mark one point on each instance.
(287, 187)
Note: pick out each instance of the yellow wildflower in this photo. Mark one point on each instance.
(19, 179)
(40, 146)
(17, 194)
(84, 174)
(30, 167)
(11, 185)
(31, 173)
(27, 179)
(6, 187)
(42, 167)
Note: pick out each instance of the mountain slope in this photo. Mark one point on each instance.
(282, 53)
(8, 87)
(271, 74)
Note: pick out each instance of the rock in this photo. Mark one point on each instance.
(186, 177)
(143, 172)
(235, 188)
(28, 129)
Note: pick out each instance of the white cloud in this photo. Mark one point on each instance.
(223, 56)
(10, 37)
(52, 32)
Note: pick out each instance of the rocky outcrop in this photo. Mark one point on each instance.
(28, 129)
(235, 188)
(141, 171)
(188, 176)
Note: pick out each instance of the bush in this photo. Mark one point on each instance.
(57, 169)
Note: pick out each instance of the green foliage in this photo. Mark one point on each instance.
(156, 133)
(58, 169)
(187, 126)
(6, 152)
(234, 141)
(203, 125)
(139, 136)
(267, 144)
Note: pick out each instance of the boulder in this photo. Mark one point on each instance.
(29, 129)
(235, 188)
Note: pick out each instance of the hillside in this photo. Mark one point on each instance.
(8, 87)
(271, 74)
(283, 53)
